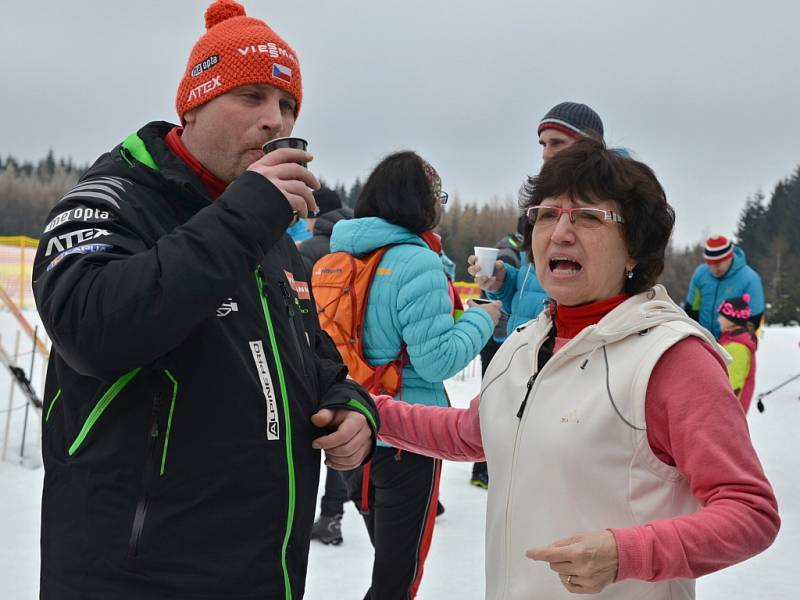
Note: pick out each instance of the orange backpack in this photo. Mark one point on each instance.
(341, 284)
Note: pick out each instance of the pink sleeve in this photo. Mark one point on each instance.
(695, 423)
(437, 431)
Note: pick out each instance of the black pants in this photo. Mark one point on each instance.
(332, 502)
(487, 354)
(401, 510)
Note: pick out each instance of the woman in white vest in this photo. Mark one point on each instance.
(620, 459)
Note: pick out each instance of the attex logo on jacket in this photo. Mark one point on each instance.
(66, 241)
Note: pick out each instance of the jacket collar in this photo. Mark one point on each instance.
(147, 159)
(634, 316)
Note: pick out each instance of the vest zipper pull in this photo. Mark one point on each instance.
(528, 393)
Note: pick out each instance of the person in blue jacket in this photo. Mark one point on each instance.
(723, 274)
(518, 289)
(409, 307)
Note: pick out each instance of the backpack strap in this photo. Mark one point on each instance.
(375, 385)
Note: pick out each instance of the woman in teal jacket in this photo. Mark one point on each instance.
(409, 305)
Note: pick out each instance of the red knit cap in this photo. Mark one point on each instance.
(236, 50)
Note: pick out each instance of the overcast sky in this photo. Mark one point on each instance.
(707, 93)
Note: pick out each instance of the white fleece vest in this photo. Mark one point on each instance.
(571, 463)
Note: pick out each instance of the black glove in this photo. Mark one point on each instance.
(760, 406)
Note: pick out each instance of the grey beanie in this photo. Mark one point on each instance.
(572, 118)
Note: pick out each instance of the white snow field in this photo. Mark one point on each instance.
(454, 569)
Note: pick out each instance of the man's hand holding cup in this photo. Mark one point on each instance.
(284, 164)
(489, 273)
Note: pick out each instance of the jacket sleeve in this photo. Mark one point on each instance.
(507, 291)
(112, 298)
(695, 423)
(692, 304)
(437, 345)
(437, 431)
(337, 389)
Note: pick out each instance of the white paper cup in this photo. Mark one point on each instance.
(486, 257)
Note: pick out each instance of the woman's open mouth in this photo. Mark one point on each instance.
(564, 266)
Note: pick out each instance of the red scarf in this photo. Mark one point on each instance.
(571, 320)
(212, 183)
(434, 242)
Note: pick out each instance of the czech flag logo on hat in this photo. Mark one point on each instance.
(281, 72)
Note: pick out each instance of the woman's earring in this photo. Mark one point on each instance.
(629, 274)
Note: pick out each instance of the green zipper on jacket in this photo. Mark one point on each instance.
(287, 426)
(101, 406)
(169, 419)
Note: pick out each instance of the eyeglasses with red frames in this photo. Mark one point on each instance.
(542, 217)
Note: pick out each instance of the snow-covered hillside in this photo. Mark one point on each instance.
(454, 569)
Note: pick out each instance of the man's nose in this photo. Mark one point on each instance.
(270, 116)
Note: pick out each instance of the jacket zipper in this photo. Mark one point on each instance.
(147, 477)
(287, 428)
(290, 311)
(521, 410)
(520, 414)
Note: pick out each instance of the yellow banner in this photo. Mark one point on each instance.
(16, 268)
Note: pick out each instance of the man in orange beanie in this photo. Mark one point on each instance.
(190, 387)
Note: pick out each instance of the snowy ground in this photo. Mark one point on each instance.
(455, 565)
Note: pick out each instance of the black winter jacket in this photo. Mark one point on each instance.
(187, 361)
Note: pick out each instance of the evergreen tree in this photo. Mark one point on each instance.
(352, 197)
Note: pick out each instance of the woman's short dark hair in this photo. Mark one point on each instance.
(398, 191)
(588, 171)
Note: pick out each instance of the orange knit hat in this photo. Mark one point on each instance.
(236, 50)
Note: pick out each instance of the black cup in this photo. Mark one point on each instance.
(285, 142)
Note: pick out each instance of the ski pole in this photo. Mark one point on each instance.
(760, 405)
(28, 404)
